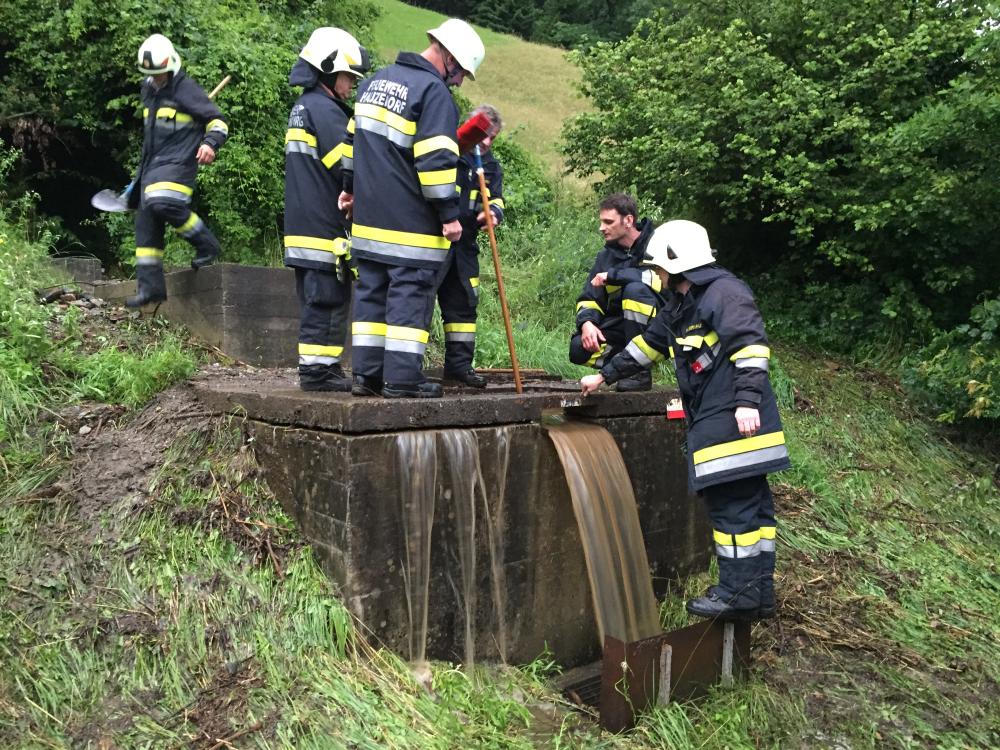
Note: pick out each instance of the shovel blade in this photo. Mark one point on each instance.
(108, 200)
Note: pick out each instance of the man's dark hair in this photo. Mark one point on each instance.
(622, 203)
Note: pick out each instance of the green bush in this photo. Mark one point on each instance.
(958, 372)
(839, 143)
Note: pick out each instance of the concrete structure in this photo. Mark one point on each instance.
(334, 463)
(249, 312)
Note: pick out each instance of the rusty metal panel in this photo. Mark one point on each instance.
(630, 671)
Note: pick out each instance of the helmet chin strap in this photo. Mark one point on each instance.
(449, 73)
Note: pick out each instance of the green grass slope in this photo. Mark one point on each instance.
(533, 86)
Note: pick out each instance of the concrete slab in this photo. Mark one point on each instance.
(259, 395)
(249, 312)
(335, 463)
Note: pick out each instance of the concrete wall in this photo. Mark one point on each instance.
(344, 492)
(249, 312)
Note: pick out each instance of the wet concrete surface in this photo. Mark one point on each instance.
(274, 397)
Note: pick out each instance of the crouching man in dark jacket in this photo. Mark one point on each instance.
(619, 298)
(714, 333)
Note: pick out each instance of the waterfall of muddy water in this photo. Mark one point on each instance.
(417, 453)
(494, 530)
(462, 450)
(605, 509)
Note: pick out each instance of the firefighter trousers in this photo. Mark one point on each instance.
(638, 306)
(392, 313)
(743, 526)
(151, 219)
(458, 296)
(323, 301)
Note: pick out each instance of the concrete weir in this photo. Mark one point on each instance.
(473, 482)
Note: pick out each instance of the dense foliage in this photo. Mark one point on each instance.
(70, 101)
(847, 149)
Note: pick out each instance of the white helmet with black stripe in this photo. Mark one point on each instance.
(157, 55)
(678, 246)
(332, 50)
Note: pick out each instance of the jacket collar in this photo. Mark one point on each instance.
(638, 248)
(414, 60)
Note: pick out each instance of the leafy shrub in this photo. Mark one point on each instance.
(839, 142)
(958, 372)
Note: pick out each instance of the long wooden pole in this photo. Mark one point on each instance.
(222, 85)
(484, 194)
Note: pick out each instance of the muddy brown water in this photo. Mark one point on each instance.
(606, 513)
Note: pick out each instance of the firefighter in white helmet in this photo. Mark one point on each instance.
(712, 330)
(182, 129)
(315, 229)
(402, 190)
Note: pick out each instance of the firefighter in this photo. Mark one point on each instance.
(316, 244)
(182, 129)
(458, 293)
(619, 298)
(713, 331)
(401, 188)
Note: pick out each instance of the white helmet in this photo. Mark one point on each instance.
(679, 246)
(462, 41)
(157, 55)
(331, 50)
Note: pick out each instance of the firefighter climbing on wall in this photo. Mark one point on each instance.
(182, 129)
(316, 243)
(401, 189)
(458, 293)
(619, 299)
(714, 332)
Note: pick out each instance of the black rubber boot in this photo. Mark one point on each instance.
(469, 378)
(641, 382)
(713, 606)
(366, 386)
(421, 390)
(323, 378)
(150, 286)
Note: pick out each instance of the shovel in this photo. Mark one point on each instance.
(109, 201)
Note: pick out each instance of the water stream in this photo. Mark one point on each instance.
(605, 510)
(417, 453)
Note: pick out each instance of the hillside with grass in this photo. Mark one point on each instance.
(534, 86)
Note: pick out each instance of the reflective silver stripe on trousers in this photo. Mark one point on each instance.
(760, 362)
(198, 226)
(733, 551)
(638, 354)
(767, 545)
(741, 460)
(149, 260)
(175, 195)
(438, 192)
(313, 359)
(460, 336)
(380, 128)
(308, 253)
(636, 316)
(404, 345)
(368, 339)
(389, 250)
(299, 147)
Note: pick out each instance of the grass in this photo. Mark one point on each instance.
(534, 98)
